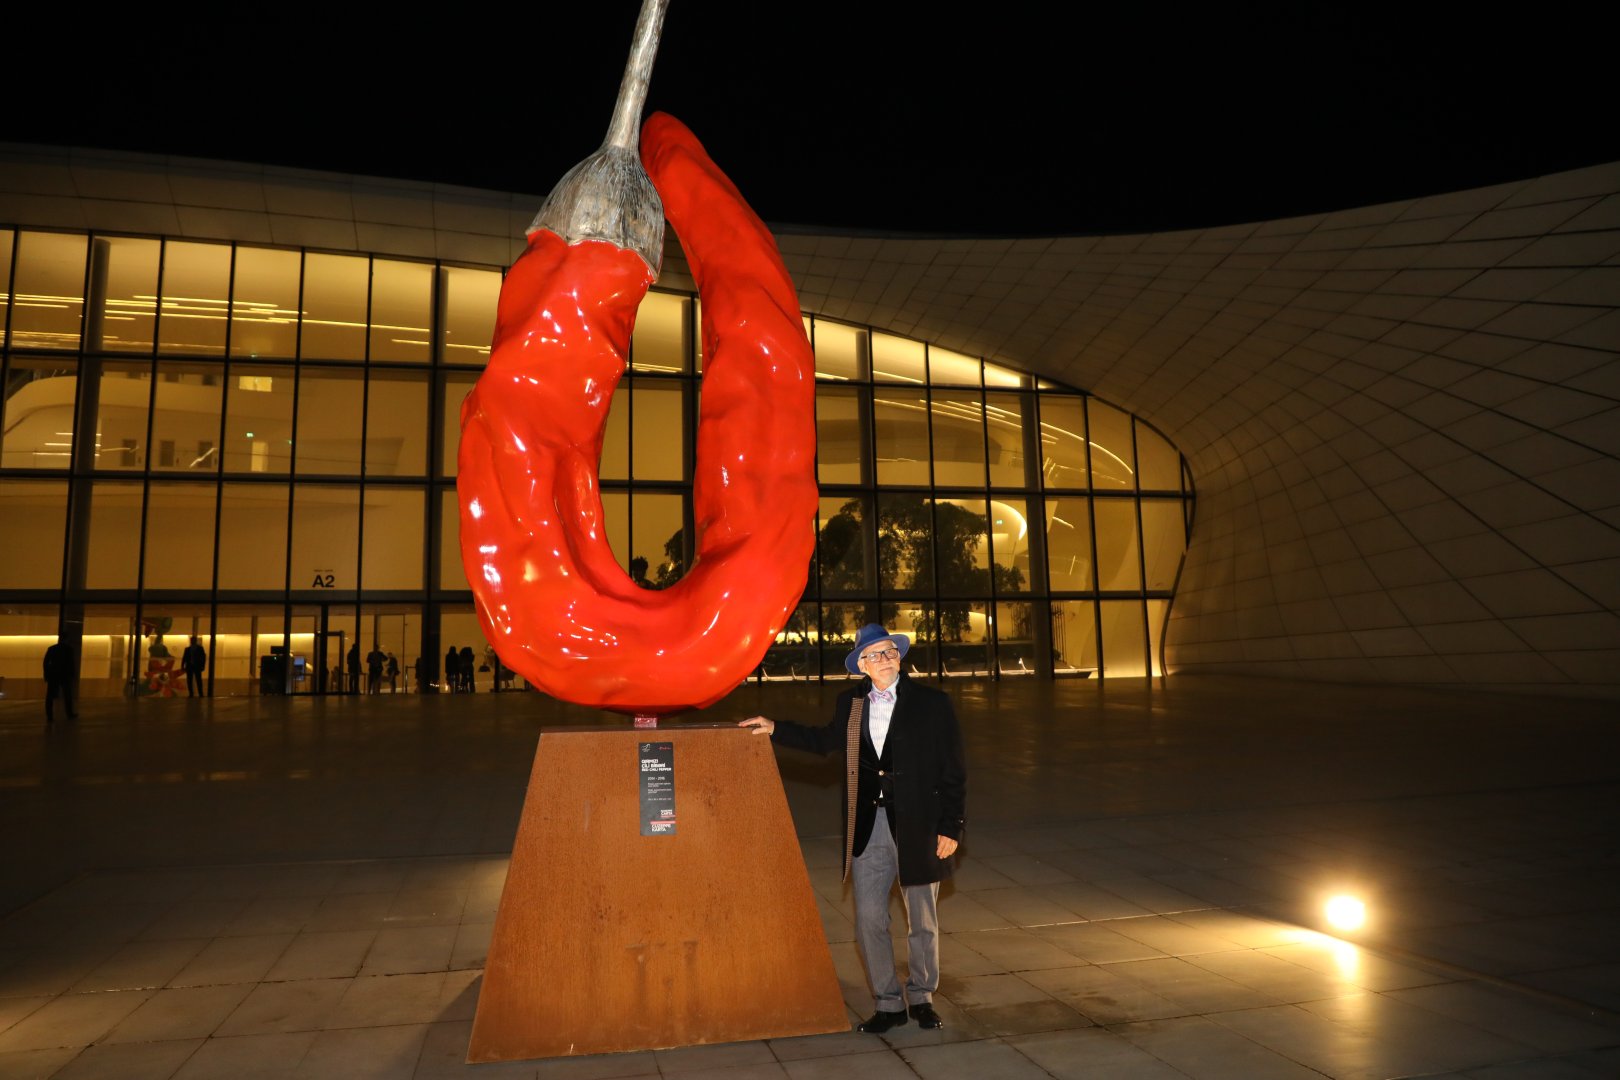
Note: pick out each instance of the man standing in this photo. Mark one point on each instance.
(194, 660)
(374, 669)
(59, 680)
(353, 662)
(903, 810)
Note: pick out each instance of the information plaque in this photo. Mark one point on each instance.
(657, 789)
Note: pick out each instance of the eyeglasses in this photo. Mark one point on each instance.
(881, 654)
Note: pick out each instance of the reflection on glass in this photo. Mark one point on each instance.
(1156, 610)
(253, 537)
(840, 434)
(1164, 533)
(839, 624)
(1118, 568)
(180, 536)
(1074, 636)
(961, 550)
(1068, 545)
(467, 299)
(115, 535)
(452, 575)
(1063, 441)
(393, 538)
(325, 531)
(38, 415)
(331, 402)
(258, 419)
(901, 420)
(658, 435)
(196, 291)
(264, 306)
(121, 405)
(1113, 465)
(396, 427)
(1004, 425)
(7, 242)
(1015, 638)
(33, 514)
(129, 306)
(616, 438)
(1124, 639)
(896, 359)
(905, 543)
(47, 304)
(1159, 463)
(616, 528)
(794, 653)
(453, 391)
(840, 351)
(963, 634)
(657, 535)
(401, 299)
(335, 288)
(958, 439)
(1009, 543)
(1000, 376)
(845, 545)
(185, 417)
(946, 368)
(658, 342)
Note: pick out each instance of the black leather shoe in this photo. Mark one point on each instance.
(879, 1022)
(926, 1017)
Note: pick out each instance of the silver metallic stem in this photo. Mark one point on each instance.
(608, 195)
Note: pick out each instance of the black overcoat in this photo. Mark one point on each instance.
(922, 766)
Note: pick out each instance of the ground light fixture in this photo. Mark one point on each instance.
(1345, 912)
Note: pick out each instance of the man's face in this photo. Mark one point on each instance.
(880, 661)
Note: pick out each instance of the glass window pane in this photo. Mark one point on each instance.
(840, 351)
(1063, 441)
(185, 419)
(47, 305)
(393, 538)
(900, 418)
(658, 342)
(130, 304)
(1164, 533)
(1004, 415)
(1074, 637)
(396, 630)
(468, 299)
(1000, 376)
(916, 619)
(615, 463)
(840, 434)
(331, 402)
(846, 546)
(113, 655)
(658, 434)
(258, 419)
(905, 543)
(26, 630)
(1155, 614)
(396, 424)
(962, 547)
(616, 527)
(1113, 465)
(33, 514)
(958, 439)
(964, 636)
(7, 241)
(1015, 638)
(1009, 542)
(896, 359)
(1124, 640)
(38, 414)
(180, 536)
(196, 286)
(451, 574)
(1068, 544)
(839, 623)
(946, 368)
(325, 531)
(453, 391)
(334, 326)
(793, 655)
(124, 392)
(115, 535)
(253, 537)
(401, 299)
(264, 307)
(656, 534)
(1160, 464)
(1117, 562)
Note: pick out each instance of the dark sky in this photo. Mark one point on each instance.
(884, 116)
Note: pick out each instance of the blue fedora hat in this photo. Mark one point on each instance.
(869, 635)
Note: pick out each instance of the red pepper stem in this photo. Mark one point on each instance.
(625, 129)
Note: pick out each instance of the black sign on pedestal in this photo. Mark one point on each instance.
(657, 788)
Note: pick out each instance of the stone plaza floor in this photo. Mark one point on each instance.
(243, 888)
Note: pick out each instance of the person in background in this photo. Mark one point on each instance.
(374, 669)
(468, 667)
(194, 661)
(392, 671)
(452, 670)
(59, 680)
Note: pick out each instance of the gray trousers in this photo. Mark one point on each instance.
(874, 873)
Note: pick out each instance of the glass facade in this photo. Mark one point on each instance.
(257, 446)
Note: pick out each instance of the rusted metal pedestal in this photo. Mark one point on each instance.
(607, 940)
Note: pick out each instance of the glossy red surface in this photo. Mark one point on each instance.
(550, 593)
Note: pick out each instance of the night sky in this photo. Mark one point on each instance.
(888, 117)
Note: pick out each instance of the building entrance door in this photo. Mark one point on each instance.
(330, 646)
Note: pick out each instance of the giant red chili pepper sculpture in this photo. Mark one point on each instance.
(550, 594)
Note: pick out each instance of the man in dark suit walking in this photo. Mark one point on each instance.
(903, 813)
(59, 679)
